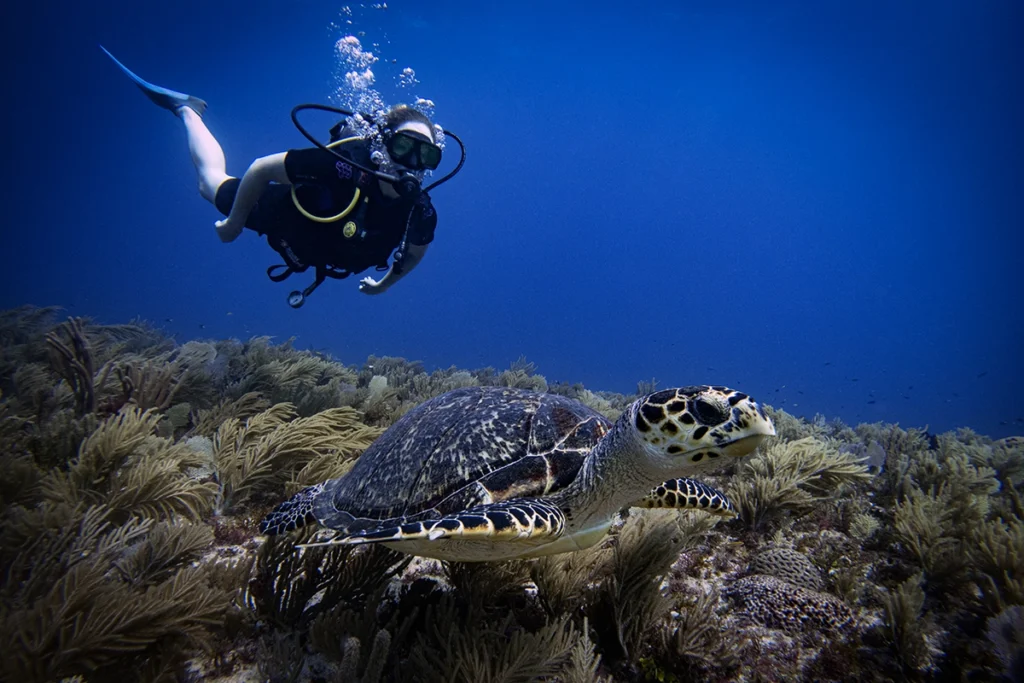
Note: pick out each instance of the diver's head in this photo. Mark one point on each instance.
(410, 139)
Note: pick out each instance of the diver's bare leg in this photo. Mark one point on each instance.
(207, 155)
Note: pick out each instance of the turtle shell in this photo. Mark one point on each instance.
(464, 448)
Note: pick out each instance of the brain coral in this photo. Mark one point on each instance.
(790, 566)
(778, 604)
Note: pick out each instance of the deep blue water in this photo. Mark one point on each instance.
(818, 203)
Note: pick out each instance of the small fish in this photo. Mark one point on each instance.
(230, 313)
(982, 374)
(827, 363)
(202, 326)
(854, 379)
(871, 402)
(168, 320)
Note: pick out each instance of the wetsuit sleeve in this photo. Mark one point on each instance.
(424, 221)
(313, 164)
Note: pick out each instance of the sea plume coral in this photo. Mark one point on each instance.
(85, 595)
(792, 478)
(272, 447)
(126, 467)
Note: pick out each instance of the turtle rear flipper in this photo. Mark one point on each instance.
(688, 494)
(295, 512)
(506, 521)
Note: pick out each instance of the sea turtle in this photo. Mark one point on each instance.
(494, 473)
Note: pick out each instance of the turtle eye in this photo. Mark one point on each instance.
(710, 413)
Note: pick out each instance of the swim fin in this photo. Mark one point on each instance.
(162, 97)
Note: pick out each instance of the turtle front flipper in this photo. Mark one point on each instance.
(512, 520)
(295, 512)
(688, 494)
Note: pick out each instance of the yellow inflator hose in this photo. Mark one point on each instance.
(347, 210)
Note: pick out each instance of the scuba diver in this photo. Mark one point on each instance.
(339, 208)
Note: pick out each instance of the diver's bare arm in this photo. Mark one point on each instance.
(261, 173)
(414, 253)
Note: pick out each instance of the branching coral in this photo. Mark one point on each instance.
(72, 357)
(330, 593)
(242, 408)
(270, 448)
(996, 551)
(290, 588)
(148, 384)
(924, 525)
(77, 602)
(308, 380)
(945, 501)
(905, 626)
(599, 403)
(133, 472)
(55, 441)
(693, 639)
(791, 428)
(792, 477)
(630, 597)
(522, 375)
(36, 393)
(584, 662)
(342, 634)
(26, 324)
(563, 581)
(500, 651)
(1008, 461)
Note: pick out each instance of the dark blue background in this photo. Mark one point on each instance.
(819, 203)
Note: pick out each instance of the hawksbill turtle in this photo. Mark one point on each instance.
(493, 473)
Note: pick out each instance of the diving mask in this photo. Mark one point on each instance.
(413, 150)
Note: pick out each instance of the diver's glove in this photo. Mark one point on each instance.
(370, 286)
(228, 231)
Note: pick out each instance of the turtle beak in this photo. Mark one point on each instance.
(746, 445)
(756, 434)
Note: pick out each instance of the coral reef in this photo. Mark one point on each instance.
(790, 566)
(773, 602)
(132, 469)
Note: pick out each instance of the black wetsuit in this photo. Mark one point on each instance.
(325, 186)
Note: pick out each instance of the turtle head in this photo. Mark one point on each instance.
(691, 428)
